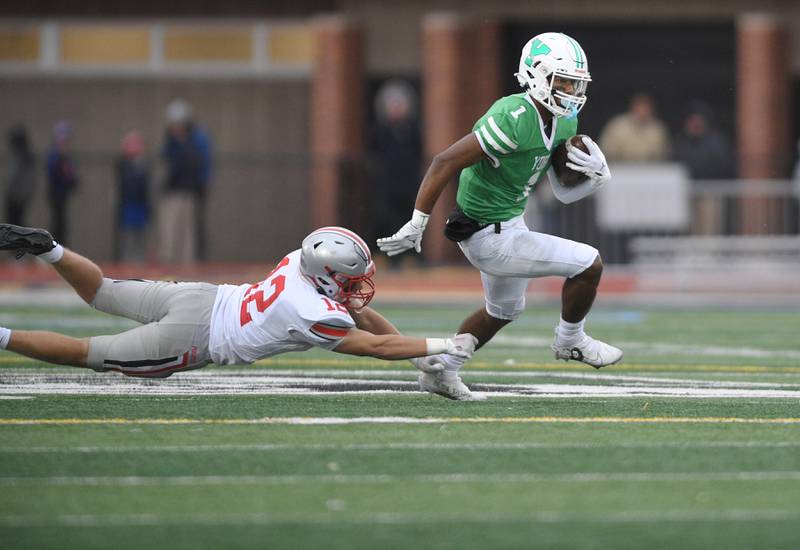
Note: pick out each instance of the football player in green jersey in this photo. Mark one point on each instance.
(501, 160)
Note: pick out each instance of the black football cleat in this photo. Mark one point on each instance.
(25, 240)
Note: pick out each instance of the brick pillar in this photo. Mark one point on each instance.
(337, 115)
(486, 81)
(763, 113)
(459, 71)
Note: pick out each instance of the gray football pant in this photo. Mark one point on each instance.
(174, 334)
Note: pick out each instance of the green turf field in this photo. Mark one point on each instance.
(692, 442)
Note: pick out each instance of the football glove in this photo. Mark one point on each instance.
(409, 236)
(593, 163)
(428, 364)
(460, 345)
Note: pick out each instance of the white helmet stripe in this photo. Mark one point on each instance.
(347, 233)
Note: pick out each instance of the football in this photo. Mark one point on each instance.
(567, 176)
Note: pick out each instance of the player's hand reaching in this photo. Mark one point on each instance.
(431, 364)
(462, 345)
(593, 163)
(409, 236)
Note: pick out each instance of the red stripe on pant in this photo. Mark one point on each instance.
(184, 362)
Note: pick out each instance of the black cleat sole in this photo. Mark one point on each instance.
(25, 240)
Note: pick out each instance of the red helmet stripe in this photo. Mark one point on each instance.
(347, 233)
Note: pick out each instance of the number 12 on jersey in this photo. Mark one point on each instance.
(253, 293)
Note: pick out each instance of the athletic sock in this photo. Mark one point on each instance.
(569, 333)
(451, 362)
(53, 255)
(5, 336)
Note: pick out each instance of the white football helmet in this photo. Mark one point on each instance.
(555, 72)
(339, 265)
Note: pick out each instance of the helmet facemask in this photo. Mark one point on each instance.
(355, 292)
(563, 103)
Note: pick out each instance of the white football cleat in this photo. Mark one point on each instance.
(588, 350)
(447, 384)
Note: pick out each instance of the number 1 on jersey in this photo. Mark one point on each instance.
(257, 296)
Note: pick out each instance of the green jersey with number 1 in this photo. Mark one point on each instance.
(512, 135)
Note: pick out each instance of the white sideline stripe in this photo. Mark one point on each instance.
(334, 421)
(554, 373)
(550, 391)
(539, 392)
(394, 518)
(667, 376)
(140, 481)
(22, 382)
(263, 447)
(373, 374)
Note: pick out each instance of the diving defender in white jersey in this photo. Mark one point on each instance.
(315, 296)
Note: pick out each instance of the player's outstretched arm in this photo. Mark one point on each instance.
(444, 167)
(370, 320)
(396, 346)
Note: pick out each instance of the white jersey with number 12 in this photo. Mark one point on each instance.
(282, 313)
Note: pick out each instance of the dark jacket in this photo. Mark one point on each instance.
(188, 162)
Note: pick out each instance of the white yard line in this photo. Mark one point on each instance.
(394, 518)
(243, 376)
(25, 383)
(455, 478)
(336, 421)
(268, 447)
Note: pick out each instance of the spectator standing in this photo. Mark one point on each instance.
(707, 155)
(133, 200)
(187, 154)
(62, 179)
(636, 135)
(20, 175)
(397, 150)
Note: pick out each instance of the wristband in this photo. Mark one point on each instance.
(436, 345)
(419, 219)
(5, 336)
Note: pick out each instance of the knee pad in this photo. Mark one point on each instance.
(509, 311)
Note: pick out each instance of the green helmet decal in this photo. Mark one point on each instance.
(537, 48)
(577, 50)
